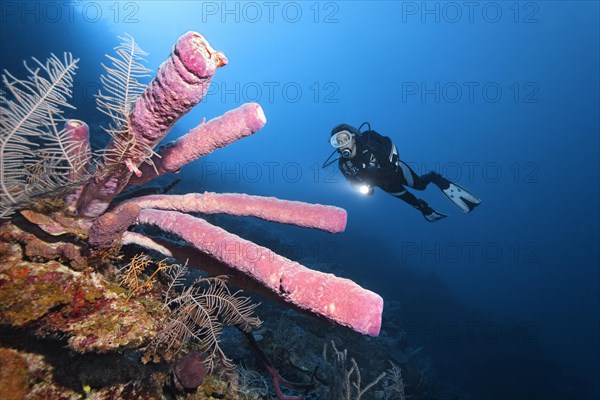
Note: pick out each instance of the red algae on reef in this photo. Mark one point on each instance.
(92, 312)
(29, 290)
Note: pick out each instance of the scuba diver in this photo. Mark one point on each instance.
(368, 159)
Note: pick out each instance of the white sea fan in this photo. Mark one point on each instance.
(35, 151)
(199, 314)
(121, 88)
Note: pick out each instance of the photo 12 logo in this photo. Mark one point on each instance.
(253, 12)
(519, 172)
(474, 253)
(274, 92)
(126, 12)
(469, 92)
(270, 172)
(453, 12)
(286, 251)
(472, 332)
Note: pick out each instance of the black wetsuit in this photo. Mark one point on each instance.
(377, 163)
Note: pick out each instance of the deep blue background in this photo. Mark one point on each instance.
(506, 299)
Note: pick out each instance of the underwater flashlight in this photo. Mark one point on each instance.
(365, 189)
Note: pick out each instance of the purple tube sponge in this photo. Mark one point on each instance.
(80, 154)
(203, 139)
(328, 218)
(181, 82)
(337, 299)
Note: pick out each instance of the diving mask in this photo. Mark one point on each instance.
(341, 139)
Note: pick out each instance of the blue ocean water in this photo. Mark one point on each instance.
(500, 97)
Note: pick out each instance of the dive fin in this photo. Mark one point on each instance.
(461, 197)
(434, 216)
(429, 213)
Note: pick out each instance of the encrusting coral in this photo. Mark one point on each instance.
(57, 250)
